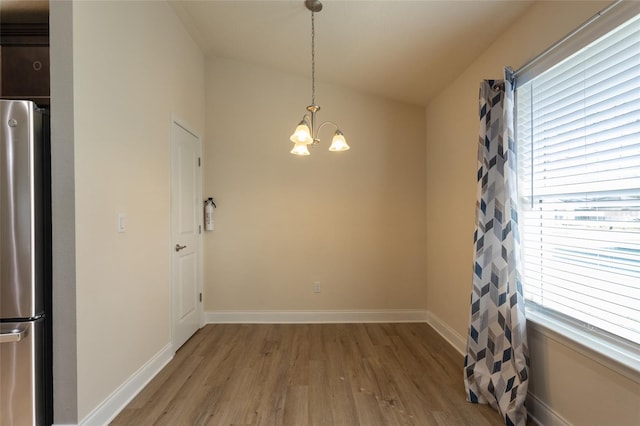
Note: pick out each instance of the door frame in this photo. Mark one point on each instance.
(176, 121)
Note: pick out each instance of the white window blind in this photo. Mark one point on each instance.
(578, 147)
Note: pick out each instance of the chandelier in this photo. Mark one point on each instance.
(307, 131)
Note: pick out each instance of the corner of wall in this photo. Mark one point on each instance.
(448, 333)
(65, 384)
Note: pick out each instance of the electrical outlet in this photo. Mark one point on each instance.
(316, 286)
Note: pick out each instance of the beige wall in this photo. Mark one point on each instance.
(352, 220)
(452, 128)
(134, 65)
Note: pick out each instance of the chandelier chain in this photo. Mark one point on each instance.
(313, 58)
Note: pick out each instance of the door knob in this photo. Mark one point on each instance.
(179, 247)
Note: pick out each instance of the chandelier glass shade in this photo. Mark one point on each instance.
(308, 130)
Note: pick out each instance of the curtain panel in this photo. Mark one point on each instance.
(497, 359)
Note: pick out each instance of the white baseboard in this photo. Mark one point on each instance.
(114, 403)
(543, 415)
(311, 317)
(448, 333)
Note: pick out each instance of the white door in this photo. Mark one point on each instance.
(186, 219)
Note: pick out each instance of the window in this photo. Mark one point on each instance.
(578, 147)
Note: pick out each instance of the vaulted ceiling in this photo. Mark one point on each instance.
(402, 50)
(398, 49)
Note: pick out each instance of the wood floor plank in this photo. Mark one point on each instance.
(320, 412)
(296, 408)
(308, 375)
(299, 359)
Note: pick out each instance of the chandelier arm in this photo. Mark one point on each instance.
(313, 109)
(314, 131)
(310, 120)
(328, 122)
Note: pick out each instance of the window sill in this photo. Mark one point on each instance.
(619, 358)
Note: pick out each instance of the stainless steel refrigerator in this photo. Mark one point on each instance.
(25, 279)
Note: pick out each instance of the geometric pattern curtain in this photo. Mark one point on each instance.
(496, 365)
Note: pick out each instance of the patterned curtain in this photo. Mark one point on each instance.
(497, 360)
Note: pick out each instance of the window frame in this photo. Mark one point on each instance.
(615, 353)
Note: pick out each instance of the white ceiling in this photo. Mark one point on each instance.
(402, 50)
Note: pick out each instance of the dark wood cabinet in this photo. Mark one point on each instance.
(25, 73)
(24, 52)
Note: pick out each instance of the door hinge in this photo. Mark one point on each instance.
(200, 297)
(198, 161)
(199, 229)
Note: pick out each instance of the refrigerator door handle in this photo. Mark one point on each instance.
(13, 336)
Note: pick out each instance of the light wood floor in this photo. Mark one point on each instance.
(310, 374)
